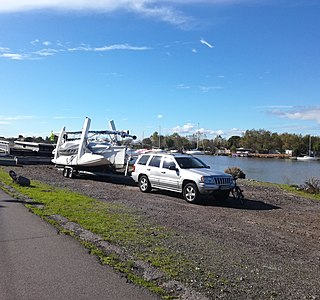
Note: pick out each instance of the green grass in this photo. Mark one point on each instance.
(294, 190)
(115, 223)
(289, 188)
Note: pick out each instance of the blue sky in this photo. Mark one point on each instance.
(169, 66)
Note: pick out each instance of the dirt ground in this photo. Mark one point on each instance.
(267, 249)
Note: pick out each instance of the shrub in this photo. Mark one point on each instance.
(311, 186)
(236, 172)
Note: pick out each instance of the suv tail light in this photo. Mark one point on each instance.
(133, 168)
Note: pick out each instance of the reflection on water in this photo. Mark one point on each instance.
(267, 169)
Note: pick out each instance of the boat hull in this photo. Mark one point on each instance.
(194, 152)
(86, 160)
(307, 158)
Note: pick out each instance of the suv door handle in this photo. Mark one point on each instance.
(164, 172)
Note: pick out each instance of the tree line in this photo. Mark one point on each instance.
(259, 141)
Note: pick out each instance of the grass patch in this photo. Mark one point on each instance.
(115, 223)
(295, 190)
(287, 187)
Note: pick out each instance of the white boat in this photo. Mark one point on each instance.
(194, 152)
(308, 157)
(88, 151)
(4, 148)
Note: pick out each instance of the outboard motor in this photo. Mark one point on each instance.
(22, 181)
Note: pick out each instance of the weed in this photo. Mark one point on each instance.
(236, 172)
(311, 186)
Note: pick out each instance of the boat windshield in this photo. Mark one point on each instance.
(190, 163)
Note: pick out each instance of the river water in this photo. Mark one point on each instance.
(267, 169)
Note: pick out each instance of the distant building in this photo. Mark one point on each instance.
(243, 152)
(289, 152)
(223, 151)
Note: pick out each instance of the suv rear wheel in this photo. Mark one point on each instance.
(190, 192)
(144, 184)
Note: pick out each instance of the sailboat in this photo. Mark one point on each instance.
(308, 157)
(196, 151)
(88, 153)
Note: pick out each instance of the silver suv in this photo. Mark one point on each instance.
(180, 173)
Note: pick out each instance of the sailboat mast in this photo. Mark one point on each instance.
(309, 145)
(198, 137)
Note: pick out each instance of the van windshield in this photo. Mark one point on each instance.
(190, 163)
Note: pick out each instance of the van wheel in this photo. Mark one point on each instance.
(190, 193)
(144, 184)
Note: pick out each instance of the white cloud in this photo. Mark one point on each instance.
(204, 42)
(41, 53)
(4, 49)
(182, 86)
(120, 47)
(160, 116)
(106, 5)
(34, 42)
(14, 56)
(46, 52)
(185, 129)
(297, 113)
(168, 11)
(190, 128)
(4, 119)
(46, 43)
(80, 48)
(236, 132)
(18, 5)
(149, 8)
(206, 89)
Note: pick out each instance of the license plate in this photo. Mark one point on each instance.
(224, 187)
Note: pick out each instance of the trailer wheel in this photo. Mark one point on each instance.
(65, 172)
(70, 173)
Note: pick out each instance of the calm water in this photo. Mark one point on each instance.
(270, 170)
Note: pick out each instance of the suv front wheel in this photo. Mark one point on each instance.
(144, 184)
(190, 192)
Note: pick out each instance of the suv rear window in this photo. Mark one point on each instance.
(143, 159)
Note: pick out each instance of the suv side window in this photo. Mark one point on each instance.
(168, 162)
(143, 159)
(155, 161)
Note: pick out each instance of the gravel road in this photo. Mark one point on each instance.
(267, 249)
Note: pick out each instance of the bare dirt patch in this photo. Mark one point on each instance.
(267, 249)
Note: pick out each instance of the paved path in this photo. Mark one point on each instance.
(37, 263)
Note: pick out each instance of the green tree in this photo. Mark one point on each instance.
(234, 142)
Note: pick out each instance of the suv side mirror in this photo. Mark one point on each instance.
(208, 167)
